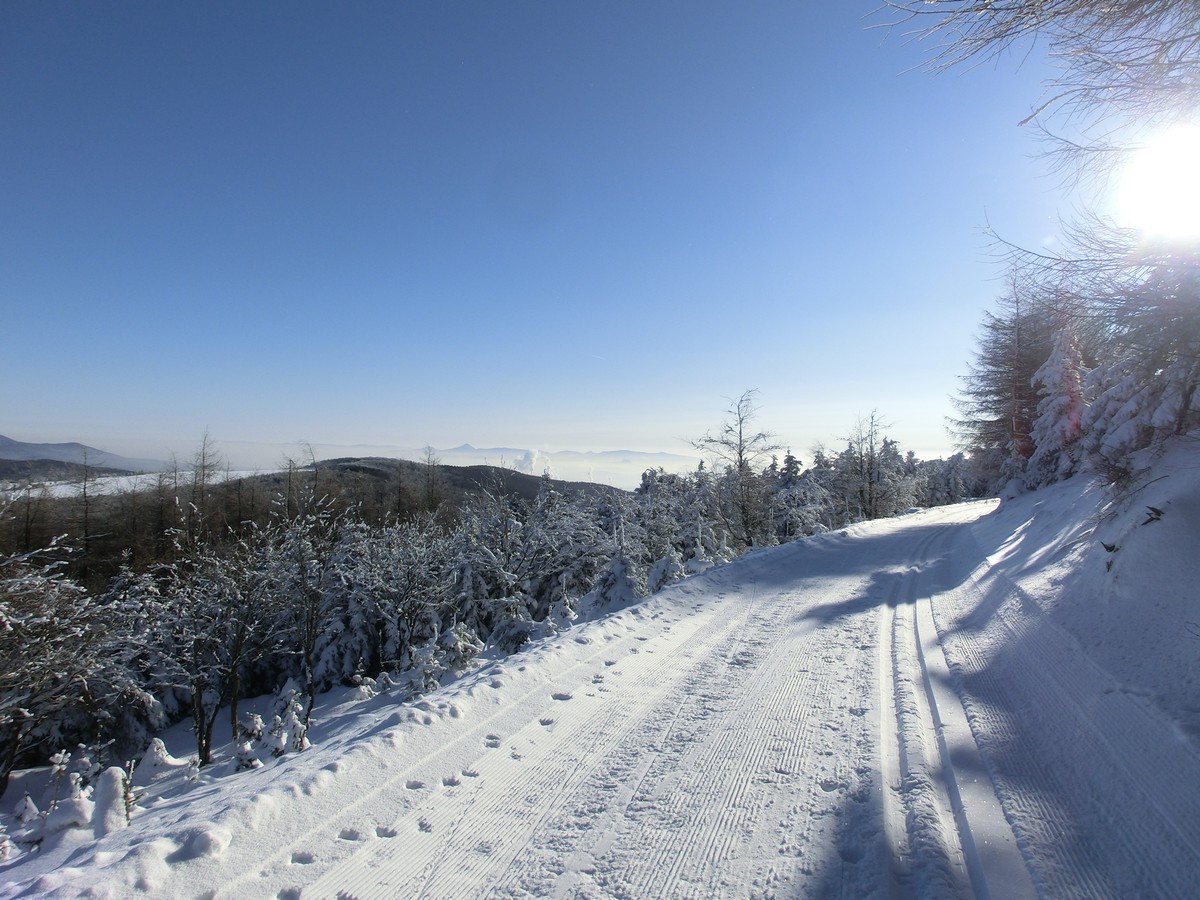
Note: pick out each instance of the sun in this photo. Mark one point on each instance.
(1159, 188)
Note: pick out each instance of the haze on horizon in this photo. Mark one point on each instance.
(530, 225)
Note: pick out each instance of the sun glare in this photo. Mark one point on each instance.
(1159, 189)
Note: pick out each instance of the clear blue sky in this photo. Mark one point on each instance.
(545, 225)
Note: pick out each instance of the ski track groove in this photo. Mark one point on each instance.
(913, 832)
(1030, 754)
(926, 828)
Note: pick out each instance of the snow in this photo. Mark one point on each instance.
(978, 699)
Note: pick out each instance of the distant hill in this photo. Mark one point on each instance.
(458, 481)
(75, 453)
(21, 471)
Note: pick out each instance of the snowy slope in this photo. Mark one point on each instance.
(965, 701)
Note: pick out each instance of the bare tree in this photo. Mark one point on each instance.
(206, 463)
(431, 478)
(741, 448)
(1132, 58)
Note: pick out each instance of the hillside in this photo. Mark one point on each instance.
(982, 699)
(74, 453)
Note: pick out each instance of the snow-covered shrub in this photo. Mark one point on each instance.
(53, 646)
(458, 646)
(156, 762)
(251, 727)
(110, 796)
(72, 811)
(288, 732)
(666, 571)
(619, 584)
(26, 810)
(246, 758)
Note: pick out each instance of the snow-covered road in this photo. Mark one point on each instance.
(771, 729)
(895, 710)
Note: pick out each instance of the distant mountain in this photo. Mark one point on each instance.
(620, 468)
(79, 454)
(458, 481)
(617, 468)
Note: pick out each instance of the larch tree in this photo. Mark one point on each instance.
(741, 447)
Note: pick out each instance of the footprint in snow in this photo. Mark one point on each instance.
(414, 785)
(351, 834)
(851, 854)
(610, 662)
(383, 832)
(561, 695)
(492, 741)
(425, 825)
(547, 722)
(451, 781)
(303, 858)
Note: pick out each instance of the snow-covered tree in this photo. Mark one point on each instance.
(1059, 421)
(740, 449)
(51, 640)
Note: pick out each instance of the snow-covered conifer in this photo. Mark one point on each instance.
(26, 810)
(276, 739)
(665, 571)
(1059, 411)
(246, 758)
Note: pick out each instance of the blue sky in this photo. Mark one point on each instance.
(544, 225)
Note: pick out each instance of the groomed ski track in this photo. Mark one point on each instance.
(767, 730)
(871, 713)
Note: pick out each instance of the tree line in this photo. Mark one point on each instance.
(1093, 351)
